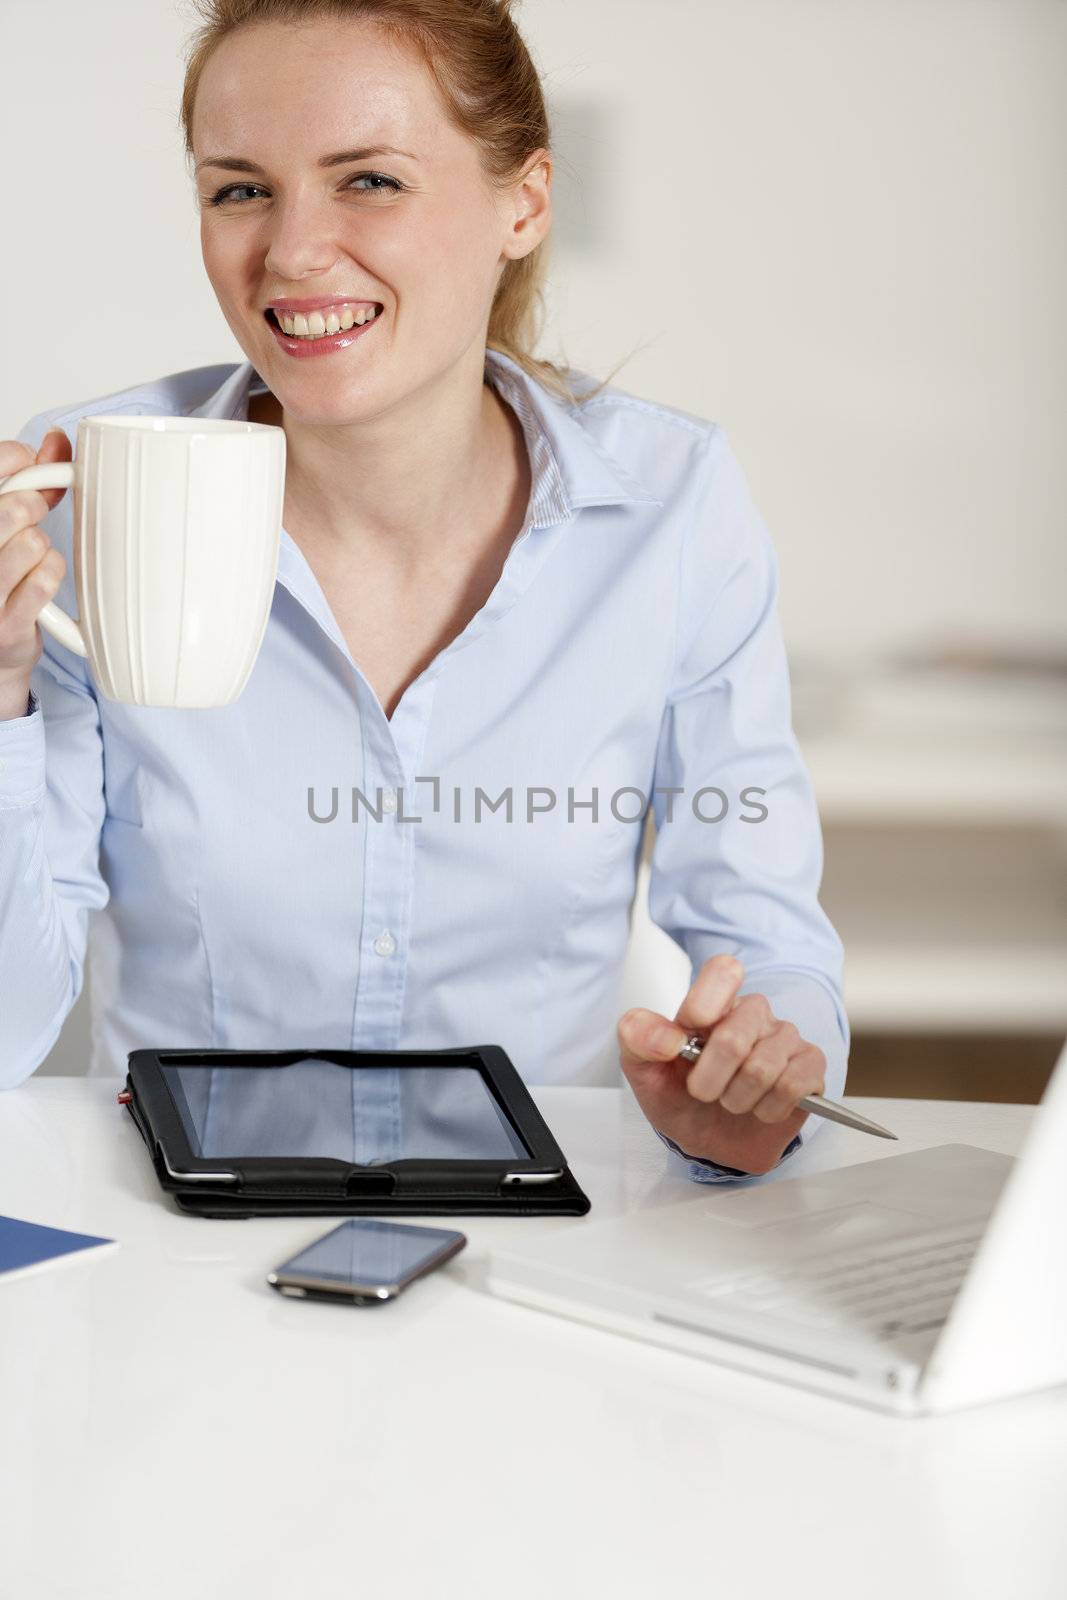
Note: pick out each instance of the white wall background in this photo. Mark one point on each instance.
(837, 226)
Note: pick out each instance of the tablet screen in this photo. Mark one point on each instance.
(365, 1115)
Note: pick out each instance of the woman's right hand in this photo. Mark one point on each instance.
(31, 569)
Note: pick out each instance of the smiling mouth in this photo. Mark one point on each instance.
(325, 324)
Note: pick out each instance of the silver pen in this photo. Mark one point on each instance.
(830, 1109)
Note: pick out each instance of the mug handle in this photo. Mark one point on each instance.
(53, 475)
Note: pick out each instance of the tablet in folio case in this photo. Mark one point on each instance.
(236, 1133)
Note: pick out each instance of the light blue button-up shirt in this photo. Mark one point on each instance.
(297, 869)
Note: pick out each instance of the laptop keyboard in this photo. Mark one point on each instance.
(907, 1287)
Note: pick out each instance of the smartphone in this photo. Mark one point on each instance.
(365, 1263)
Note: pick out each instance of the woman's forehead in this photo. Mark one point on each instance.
(276, 83)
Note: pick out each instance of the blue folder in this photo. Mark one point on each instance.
(24, 1244)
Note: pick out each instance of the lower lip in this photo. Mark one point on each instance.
(303, 349)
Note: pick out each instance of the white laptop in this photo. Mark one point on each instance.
(915, 1283)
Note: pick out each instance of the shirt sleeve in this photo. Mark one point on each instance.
(737, 862)
(51, 817)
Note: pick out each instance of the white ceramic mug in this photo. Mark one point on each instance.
(177, 529)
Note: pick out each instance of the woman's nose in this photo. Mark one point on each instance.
(301, 245)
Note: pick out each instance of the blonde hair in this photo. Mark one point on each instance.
(480, 63)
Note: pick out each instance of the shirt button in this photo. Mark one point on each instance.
(384, 944)
(389, 801)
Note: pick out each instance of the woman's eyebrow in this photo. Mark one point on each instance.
(241, 164)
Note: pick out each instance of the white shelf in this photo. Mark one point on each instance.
(935, 745)
(952, 981)
(893, 778)
(958, 989)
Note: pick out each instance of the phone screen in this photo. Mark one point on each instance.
(365, 1252)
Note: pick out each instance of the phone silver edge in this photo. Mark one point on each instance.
(300, 1283)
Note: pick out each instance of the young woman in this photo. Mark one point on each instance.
(516, 606)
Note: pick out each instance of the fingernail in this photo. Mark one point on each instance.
(666, 1038)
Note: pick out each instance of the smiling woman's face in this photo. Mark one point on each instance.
(419, 234)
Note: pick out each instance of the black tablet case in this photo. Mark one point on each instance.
(298, 1186)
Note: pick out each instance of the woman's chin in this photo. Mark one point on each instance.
(316, 412)
(316, 398)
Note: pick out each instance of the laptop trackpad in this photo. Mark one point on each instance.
(850, 1227)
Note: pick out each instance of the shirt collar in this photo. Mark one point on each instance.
(569, 469)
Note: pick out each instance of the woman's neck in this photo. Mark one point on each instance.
(444, 475)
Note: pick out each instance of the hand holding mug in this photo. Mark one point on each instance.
(177, 528)
(31, 570)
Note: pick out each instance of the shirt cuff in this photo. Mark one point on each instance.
(699, 1169)
(22, 764)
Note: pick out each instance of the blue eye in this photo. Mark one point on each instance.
(229, 191)
(379, 178)
(381, 184)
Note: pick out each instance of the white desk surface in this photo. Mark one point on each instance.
(171, 1427)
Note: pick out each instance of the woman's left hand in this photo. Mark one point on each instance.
(737, 1104)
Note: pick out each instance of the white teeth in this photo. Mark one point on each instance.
(315, 325)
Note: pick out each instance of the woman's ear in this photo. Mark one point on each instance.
(529, 210)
